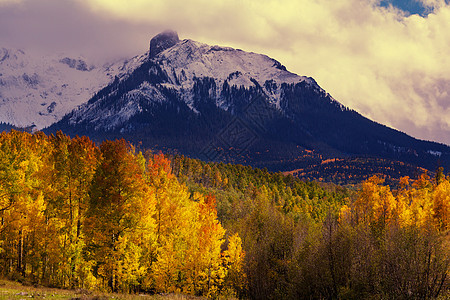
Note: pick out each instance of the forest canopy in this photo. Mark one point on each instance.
(112, 218)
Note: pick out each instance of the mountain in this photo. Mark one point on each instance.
(37, 90)
(224, 104)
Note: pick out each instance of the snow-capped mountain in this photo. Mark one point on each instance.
(189, 60)
(38, 90)
(183, 63)
(219, 103)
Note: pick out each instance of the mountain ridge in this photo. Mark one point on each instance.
(223, 104)
(37, 90)
(178, 68)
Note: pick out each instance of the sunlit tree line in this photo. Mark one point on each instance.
(308, 241)
(382, 245)
(111, 218)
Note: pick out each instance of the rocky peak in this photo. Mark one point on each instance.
(163, 41)
(78, 64)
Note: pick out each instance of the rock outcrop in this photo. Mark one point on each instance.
(163, 41)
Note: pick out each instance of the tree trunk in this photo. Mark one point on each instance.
(20, 268)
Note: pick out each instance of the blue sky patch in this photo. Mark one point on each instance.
(409, 6)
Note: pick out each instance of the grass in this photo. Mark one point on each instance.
(15, 290)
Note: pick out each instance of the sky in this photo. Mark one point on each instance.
(387, 59)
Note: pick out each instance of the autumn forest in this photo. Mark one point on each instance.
(113, 217)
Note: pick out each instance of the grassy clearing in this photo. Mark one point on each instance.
(15, 290)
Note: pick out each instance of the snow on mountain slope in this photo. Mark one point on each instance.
(179, 66)
(190, 59)
(37, 90)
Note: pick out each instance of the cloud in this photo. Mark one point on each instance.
(67, 26)
(5, 2)
(386, 64)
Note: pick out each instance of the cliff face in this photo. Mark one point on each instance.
(163, 41)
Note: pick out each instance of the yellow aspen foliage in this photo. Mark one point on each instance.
(75, 215)
(23, 206)
(189, 236)
(206, 271)
(441, 205)
(166, 270)
(345, 215)
(233, 260)
(403, 197)
(421, 201)
(375, 204)
(172, 226)
(119, 209)
(130, 271)
(419, 204)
